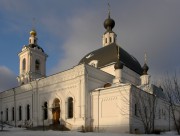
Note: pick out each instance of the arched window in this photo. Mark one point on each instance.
(70, 107)
(12, 113)
(45, 109)
(28, 112)
(6, 114)
(110, 40)
(24, 64)
(37, 65)
(20, 113)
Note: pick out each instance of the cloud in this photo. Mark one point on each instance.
(144, 26)
(84, 36)
(152, 27)
(7, 79)
(70, 31)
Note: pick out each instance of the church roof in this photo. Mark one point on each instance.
(108, 55)
(34, 45)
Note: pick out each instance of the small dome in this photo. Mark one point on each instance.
(33, 32)
(109, 23)
(145, 69)
(118, 65)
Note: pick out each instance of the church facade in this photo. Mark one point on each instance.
(107, 90)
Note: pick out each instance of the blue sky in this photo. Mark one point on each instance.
(69, 29)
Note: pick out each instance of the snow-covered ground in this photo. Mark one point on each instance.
(11, 131)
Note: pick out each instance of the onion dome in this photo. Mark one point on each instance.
(33, 32)
(145, 69)
(118, 65)
(109, 23)
(33, 40)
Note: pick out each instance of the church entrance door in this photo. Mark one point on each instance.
(56, 111)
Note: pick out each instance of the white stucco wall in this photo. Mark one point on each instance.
(110, 109)
(94, 107)
(76, 83)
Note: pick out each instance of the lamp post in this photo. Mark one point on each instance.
(1, 120)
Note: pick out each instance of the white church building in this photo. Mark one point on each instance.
(108, 90)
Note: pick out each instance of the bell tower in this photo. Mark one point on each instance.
(32, 61)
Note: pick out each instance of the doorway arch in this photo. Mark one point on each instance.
(56, 111)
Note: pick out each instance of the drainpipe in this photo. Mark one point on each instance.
(2, 120)
(32, 110)
(14, 107)
(37, 100)
(154, 98)
(98, 109)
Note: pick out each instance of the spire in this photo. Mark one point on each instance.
(109, 23)
(33, 31)
(119, 64)
(145, 58)
(145, 77)
(145, 67)
(109, 10)
(33, 39)
(109, 36)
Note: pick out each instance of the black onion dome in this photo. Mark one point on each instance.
(118, 65)
(108, 56)
(109, 24)
(145, 69)
(34, 45)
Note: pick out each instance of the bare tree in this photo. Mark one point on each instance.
(171, 88)
(144, 109)
(143, 105)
